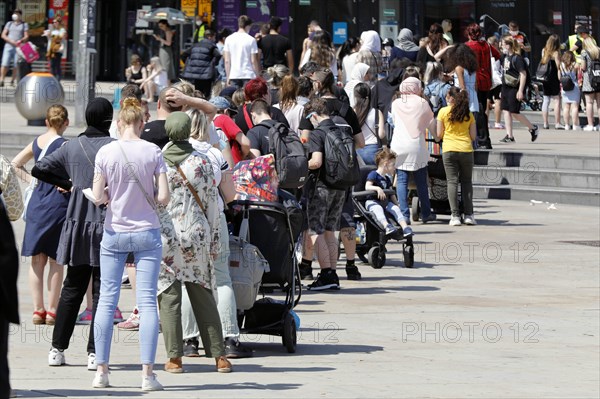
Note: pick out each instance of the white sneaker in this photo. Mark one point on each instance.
(56, 357)
(588, 128)
(92, 362)
(455, 221)
(558, 126)
(597, 128)
(150, 383)
(100, 380)
(576, 127)
(470, 220)
(567, 127)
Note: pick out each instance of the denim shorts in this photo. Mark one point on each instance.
(9, 56)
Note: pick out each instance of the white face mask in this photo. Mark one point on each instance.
(15, 17)
(198, 22)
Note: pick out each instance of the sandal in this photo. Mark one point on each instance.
(223, 365)
(39, 317)
(50, 318)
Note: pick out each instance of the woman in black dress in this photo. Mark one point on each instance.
(551, 56)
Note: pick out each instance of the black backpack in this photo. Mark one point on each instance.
(542, 73)
(340, 160)
(595, 74)
(291, 162)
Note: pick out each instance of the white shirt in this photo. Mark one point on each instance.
(369, 130)
(240, 46)
(293, 115)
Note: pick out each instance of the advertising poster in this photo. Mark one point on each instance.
(34, 13)
(228, 12)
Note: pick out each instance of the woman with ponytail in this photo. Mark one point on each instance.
(130, 175)
(456, 125)
(372, 132)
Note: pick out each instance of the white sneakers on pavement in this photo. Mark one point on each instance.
(56, 357)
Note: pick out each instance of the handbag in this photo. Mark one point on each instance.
(10, 190)
(246, 267)
(566, 81)
(28, 52)
(511, 80)
(33, 183)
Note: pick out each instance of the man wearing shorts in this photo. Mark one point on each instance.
(15, 33)
(324, 203)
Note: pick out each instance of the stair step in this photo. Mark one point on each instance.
(532, 176)
(535, 160)
(558, 195)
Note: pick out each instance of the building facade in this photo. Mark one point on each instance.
(119, 33)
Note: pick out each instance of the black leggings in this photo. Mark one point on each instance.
(73, 291)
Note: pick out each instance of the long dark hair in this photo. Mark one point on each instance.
(436, 37)
(362, 102)
(322, 49)
(460, 55)
(347, 47)
(460, 109)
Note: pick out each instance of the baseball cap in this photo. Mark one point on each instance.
(583, 29)
(220, 102)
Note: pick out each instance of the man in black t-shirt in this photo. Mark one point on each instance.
(259, 134)
(276, 49)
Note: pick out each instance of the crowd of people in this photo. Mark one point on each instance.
(144, 200)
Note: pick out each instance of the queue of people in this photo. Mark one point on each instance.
(169, 225)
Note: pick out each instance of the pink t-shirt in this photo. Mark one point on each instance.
(128, 210)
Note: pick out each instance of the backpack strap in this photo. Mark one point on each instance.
(247, 116)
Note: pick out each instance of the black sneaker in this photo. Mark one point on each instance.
(325, 281)
(534, 133)
(306, 272)
(235, 350)
(507, 139)
(190, 347)
(352, 273)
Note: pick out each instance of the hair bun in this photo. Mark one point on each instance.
(131, 102)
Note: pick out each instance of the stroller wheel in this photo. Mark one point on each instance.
(289, 333)
(376, 257)
(415, 209)
(409, 256)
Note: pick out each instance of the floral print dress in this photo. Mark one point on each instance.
(189, 234)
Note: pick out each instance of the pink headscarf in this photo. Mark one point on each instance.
(412, 109)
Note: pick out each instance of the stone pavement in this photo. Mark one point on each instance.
(506, 309)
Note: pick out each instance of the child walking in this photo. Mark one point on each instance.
(379, 180)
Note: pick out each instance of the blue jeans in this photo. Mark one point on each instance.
(9, 56)
(367, 153)
(422, 191)
(147, 250)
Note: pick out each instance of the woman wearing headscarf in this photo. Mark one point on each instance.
(406, 47)
(226, 305)
(71, 167)
(361, 73)
(370, 53)
(412, 117)
(191, 233)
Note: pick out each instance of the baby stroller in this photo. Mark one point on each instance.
(438, 186)
(273, 228)
(371, 237)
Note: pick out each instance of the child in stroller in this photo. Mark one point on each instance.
(379, 180)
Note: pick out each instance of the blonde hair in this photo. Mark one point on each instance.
(185, 87)
(276, 74)
(514, 44)
(155, 62)
(433, 72)
(56, 116)
(200, 126)
(131, 111)
(238, 98)
(590, 47)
